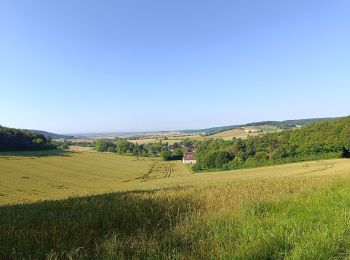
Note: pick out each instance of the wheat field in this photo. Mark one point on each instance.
(29, 177)
(150, 209)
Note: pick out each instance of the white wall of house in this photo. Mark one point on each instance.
(189, 161)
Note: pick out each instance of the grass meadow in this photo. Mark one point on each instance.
(294, 211)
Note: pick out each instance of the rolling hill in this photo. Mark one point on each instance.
(287, 124)
(52, 135)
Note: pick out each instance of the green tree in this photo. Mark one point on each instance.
(166, 155)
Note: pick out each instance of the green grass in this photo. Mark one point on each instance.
(315, 226)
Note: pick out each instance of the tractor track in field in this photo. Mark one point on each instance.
(323, 167)
(169, 170)
(158, 170)
(146, 176)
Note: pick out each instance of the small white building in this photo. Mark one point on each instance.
(189, 158)
(251, 130)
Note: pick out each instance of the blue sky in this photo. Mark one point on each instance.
(103, 66)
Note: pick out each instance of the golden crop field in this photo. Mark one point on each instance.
(241, 133)
(154, 140)
(228, 135)
(31, 177)
(160, 210)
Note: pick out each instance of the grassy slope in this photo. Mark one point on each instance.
(293, 217)
(228, 135)
(267, 128)
(296, 211)
(240, 133)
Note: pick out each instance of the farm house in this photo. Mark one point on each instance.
(189, 158)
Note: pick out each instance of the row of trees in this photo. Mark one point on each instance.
(66, 143)
(144, 150)
(168, 155)
(12, 139)
(329, 139)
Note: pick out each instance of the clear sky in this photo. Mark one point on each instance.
(102, 66)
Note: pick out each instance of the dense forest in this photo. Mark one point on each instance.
(328, 139)
(289, 124)
(12, 139)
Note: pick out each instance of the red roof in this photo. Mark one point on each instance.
(189, 157)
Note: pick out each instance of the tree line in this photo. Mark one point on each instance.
(12, 139)
(164, 150)
(321, 140)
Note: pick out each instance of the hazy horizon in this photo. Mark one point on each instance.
(114, 66)
(167, 130)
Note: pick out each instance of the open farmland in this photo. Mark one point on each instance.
(234, 133)
(176, 137)
(267, 128)
(154, 140)
(29, 177)
(295, 211)
(244, 132)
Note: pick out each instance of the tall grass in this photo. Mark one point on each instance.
(293, 218)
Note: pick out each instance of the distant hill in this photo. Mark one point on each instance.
(52, 135)
(287, 124)
(12, 139)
